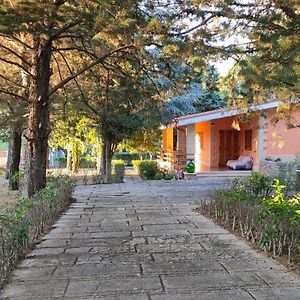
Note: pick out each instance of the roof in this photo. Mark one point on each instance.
(221, 113)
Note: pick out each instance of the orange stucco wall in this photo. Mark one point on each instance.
(280, 141)
(202, 131)
(167, 134)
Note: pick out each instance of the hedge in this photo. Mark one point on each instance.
(261, 212)
(22, 225)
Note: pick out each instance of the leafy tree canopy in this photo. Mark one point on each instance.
(200, 93)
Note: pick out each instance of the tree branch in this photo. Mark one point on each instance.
(75, 49)
(192, 28)
(13, 94)
(78, 86)
(63, 30)
(84, 69)
(13, 82)
(60, 76)
(16, 40)
(17, 65)
(16, 54)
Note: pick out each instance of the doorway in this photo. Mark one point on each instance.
(228, 146)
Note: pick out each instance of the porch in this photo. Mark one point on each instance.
(211, 143)
(176, 160)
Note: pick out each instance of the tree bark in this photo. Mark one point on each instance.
(103, 158)
(13, 163)
(106, 156)
(69, 157)
(37, 131)
(108, 162)
(75, 158)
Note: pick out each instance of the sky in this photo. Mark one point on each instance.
(224, 66)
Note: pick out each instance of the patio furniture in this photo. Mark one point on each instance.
(242, 163)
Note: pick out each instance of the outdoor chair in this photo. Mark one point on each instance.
(242, 163)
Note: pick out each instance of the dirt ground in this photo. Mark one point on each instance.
(7, 198)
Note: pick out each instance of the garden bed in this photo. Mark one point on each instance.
(259, 211)
(23, 223)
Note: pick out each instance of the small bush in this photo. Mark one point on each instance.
(136, 163)
(169, 176)
(148, 169)
(62, 161)
(259, 184)
(280, 220)
(115, 162)
(159, 176)
(127, 157)
(260, 211)
(23, 224)
(88, 162)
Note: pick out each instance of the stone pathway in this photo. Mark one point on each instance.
(141, 240)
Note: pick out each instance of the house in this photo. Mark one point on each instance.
(212, 138)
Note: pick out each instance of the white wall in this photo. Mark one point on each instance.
(190, 141)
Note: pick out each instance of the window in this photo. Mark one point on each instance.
(248, 139)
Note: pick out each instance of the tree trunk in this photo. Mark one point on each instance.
(37, 131)
(75, 158)
(103, 159)
(69, 158)
(13, 163)
(106, 159)
(108, 162)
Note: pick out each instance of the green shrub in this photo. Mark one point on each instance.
(169, 176)
(88, 162)
(115, 162)
(62, 161)
(261, 212)
(136, 163)
(259, 184)
(127, 157)
(280, 220)
(23, 224)
(148, 169)
(159, 176)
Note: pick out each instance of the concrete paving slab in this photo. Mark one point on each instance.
(142, 240)
(215, 295)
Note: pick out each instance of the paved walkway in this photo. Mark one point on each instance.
(141, 240)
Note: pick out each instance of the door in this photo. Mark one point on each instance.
(228, 146)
